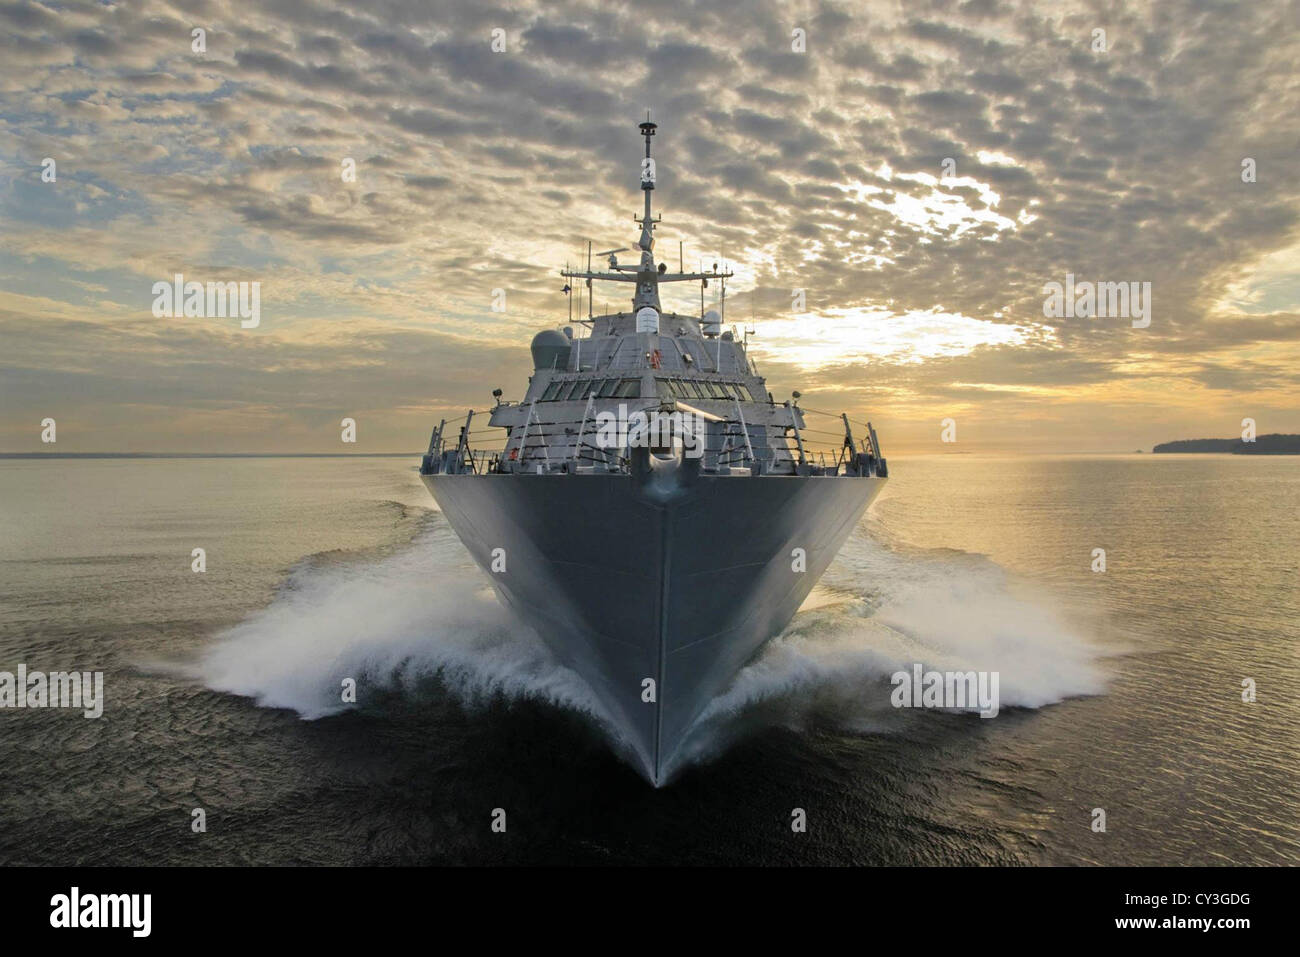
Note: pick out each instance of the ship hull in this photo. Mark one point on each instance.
(630, 579)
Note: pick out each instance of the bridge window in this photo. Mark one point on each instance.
(692, 389)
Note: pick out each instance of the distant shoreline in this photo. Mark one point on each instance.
(1274, 444)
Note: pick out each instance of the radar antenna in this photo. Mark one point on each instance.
(646, 274)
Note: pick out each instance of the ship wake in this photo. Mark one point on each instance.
(883, 609)
(394, 621)
(390, 623)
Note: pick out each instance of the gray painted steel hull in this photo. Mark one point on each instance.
(628, 577)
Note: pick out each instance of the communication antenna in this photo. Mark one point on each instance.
(723, 256)
(580, 287)
(589, 291)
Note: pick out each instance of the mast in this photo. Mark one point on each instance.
(647, 176)
(646, 273)
(647, 277)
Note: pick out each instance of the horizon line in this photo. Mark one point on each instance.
(205, 455)
(327, 455)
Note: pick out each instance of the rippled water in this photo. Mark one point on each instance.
(1120, 690)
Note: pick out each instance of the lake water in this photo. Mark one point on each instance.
(1120, 690)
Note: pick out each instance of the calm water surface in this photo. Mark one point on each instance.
(1120, 690)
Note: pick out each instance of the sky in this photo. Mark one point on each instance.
(916, 173)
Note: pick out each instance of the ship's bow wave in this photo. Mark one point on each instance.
(387, 622)
(421, 611)
(884, 609)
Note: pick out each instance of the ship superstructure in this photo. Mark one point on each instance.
(648, 506)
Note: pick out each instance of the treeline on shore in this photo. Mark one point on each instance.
(1275, 444)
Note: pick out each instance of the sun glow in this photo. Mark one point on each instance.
(865, 334)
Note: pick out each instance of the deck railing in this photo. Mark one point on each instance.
(774, 448)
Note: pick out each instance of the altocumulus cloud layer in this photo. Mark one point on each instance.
(817, 170)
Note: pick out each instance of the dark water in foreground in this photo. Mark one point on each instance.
(1120, 690)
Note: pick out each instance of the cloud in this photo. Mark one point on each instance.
(477, 170)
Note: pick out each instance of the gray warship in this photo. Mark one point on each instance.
(648, 507)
